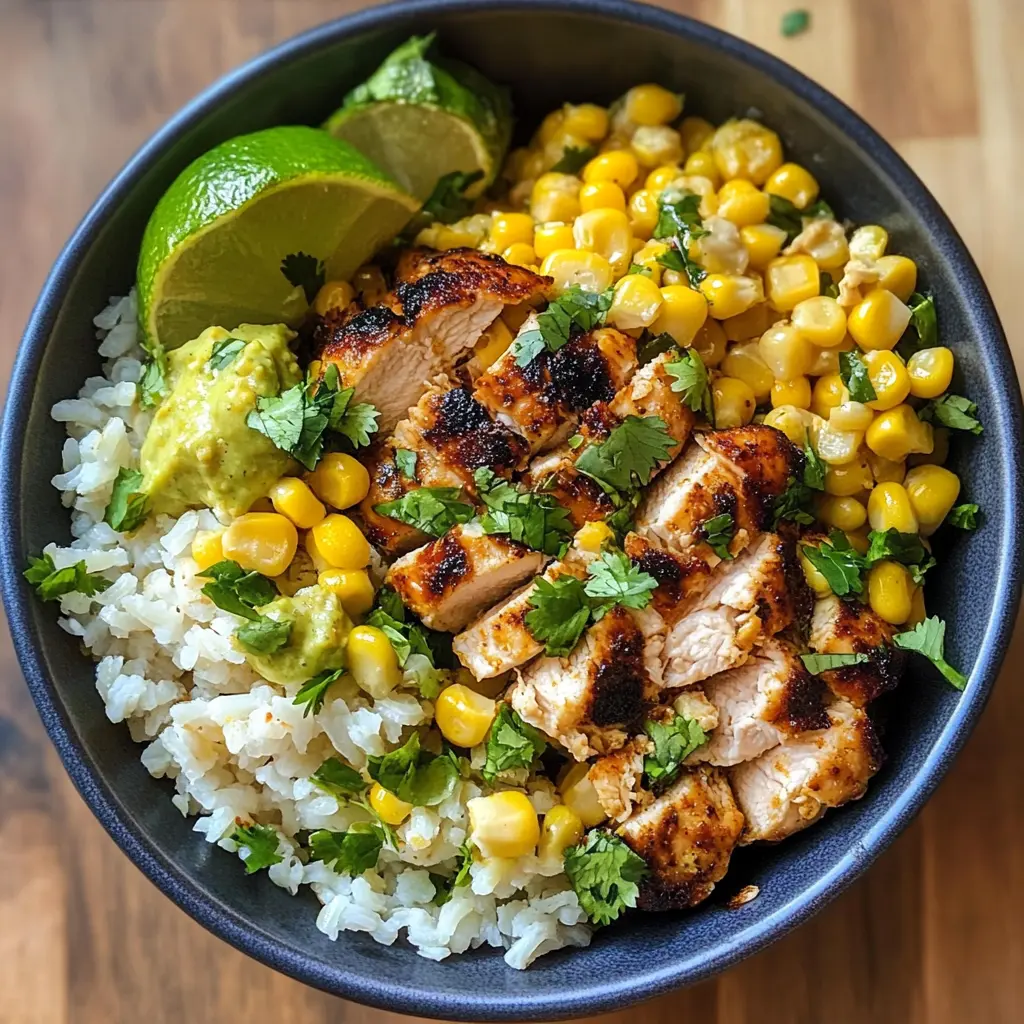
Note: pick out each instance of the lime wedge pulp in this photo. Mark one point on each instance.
(247, 230)
(421, 119)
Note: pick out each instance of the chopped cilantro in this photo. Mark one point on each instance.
(129, 504)
(953, 411)
(351, 852)
(432, 510)
(304, 271)
(604, 873)
(574, 442)
(814, 469)
(52, 583)
(679, 223)
(784, 215)
(615, 580)
(818, 663)
(924, 320)
(928, 638)
(260, 842)
(574, 158)
(574, 309)
(338, 779)
(794, 22)
(264, 635)
(717, 532)
(313, 692)
(536, 520)
(559, 614)
(964, 517)
(511, 743)
(356, 423)
(854, 373)
(826, 286)
(626, 461)
(224, 352)
(651, 345)
(445, 886)
(693, 382)
(152, 384)
(673, 743)
(237, 591)
(839, 563)
(636, 268)
(406, 460)
(447, 201)
(415, 775)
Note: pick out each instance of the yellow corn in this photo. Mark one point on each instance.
(889, 508)
(555, 197)
(593, 536)
(796, 392)
(878, 321)
(891, 592)
(352, 587)
(656, 145)
(930, 370)
(896, 433)
(789, 280)
(825, 361)
(552, 125)
(750, 324)
(730, 294)
(549, 237)
(939, 453)
(742, 203)
(568, 267)
(463, 716)
(493, 343)
(849, 479)
(844, 513)
(829, 249)
(786, 352)
(647, 257)
(829, 392)
(745, 362)
(520, 255)
(703, 187)
(683, 312)
(795, 183)
(333, 295)
(560, 829)
(898, 275)
(261, 542)
(579, 795)
(509, 228)
(587, 120)
(696, 133)
(859, 540)
(710, 343)
(387, 806)
(821, 320)
(503, 824)
(851, 416)
(869, 242)
(703, 165)
(617, 165)
(339, 541)
(917, 609)
(208, 548)
(651, 104)
(293, 498)
(746, 149)
(734, 402)
(643, 213)
(888, 377)
(763, 243)
(340, 480)
(815, 580)
(369, 284)
(932, 491)
(607, 233)
(795, 423)
(636, 302)
(837, 447)
(661, 177)
(602, 195)
(372, 661)
(885, 471)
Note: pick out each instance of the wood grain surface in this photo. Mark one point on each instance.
(934, 932)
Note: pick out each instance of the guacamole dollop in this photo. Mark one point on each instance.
(199, 450)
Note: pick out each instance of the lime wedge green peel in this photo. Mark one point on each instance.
(214, 248)
(421, 119)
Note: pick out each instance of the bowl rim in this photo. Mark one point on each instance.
(607, 993)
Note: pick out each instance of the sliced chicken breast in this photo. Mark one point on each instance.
(759, 704)
(793, 784)
(447, 581)
(617, 779)
(556, 474)
(686, 836)
(592, 701)
(441, 305)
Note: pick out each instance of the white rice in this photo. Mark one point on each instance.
(234, 746)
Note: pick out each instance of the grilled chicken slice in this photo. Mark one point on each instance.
(592, 701)
(447, 581)
(542, 400)
(616, 779)
(792, 785)
(556, 474)
(739, 471)
(441, 305)
(760, 703)
(686, 836)
(682, 575)
(749, 599)
(848, 627)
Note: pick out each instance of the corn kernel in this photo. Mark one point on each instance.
(745, 362)
(889, 508)
(884, 471)
(340, 480)
(262, 542)
(549, 237)
(917, 608)
(208, 548)
(815, 580)
(821, 320)
(933, 492)
(826, 361)
(734, 402)
(827, 245)
(849, 479)
(587, 270)
(896, 433)
(387, 806)
(683, 312)
(843, 513)
(661, 177)
(878, 320)
(868, 243)
(890, 591)
(703, 165)
(555, 197)
(333, 295)
(730, 294)
(746, 149)
(795, 392)
(939, 453)
(493, 343)
(696, 133)
(791, 279)
(897, 274)
(602, 195)
(587, 120)
(647, 257)
(607, 233)
(372, 661)
(859, 540)
(369, 284)
(293, 498)
(339, 541)
(795, 183)
(786, 352)
(710, 343)
(763, 243)
(651, 104)
(591, 537)
(643, 213)
(829, 392)
(931, 371)
(749, 325)
(742, 203)
(463, 716)
(352, 587)
(509, 228)
(552, 125)
(560, 829)
(837, 447)
(851, 416)
(636, 302)
(319, 562)
(795, 423)
(617, 165)
(580, 796)
(656, 145)
(520, 255)
(534, 165)
(503, 824)
(888, 377)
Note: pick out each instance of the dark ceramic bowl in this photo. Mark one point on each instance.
(547, 52)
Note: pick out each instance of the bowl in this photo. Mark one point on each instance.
(547, 52)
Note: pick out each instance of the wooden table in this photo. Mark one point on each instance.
(935, 932)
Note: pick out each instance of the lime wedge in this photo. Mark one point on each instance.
(248, 231)
(421, 119)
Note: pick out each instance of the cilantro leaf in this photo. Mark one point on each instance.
(304, 271)
(928, 638)
(511, 743)
(717, 532)
(614, 579)
(313, 692)
(574, 309)
(237, 591)
(574, 442)
(964, 517)
(917, 572)
(447, 202)
(536, 520)
(692, 380)
(574, 158)
(924, 319)
(405, 460)
(351, 852)
(814, 469)
(651, 345)
(826, 286)
(261, 842)
(224, 352)
(898, 547)
(636, 268)
(819, 210)
(444, 886)
(953, 411)
(560, 613)
(793, 503)
(784, 215)
(152, 384)
(416, 647)
(357, 423)
(338, 779)
(839, 563)
(604, 873)
(818, 663)
(52, 583)
(264, 635)
(679, 223)
(854, 373)
(432, 510)
(129, 505)
(415, 775)
(673, 743)
(627, 459)
(794, 22)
